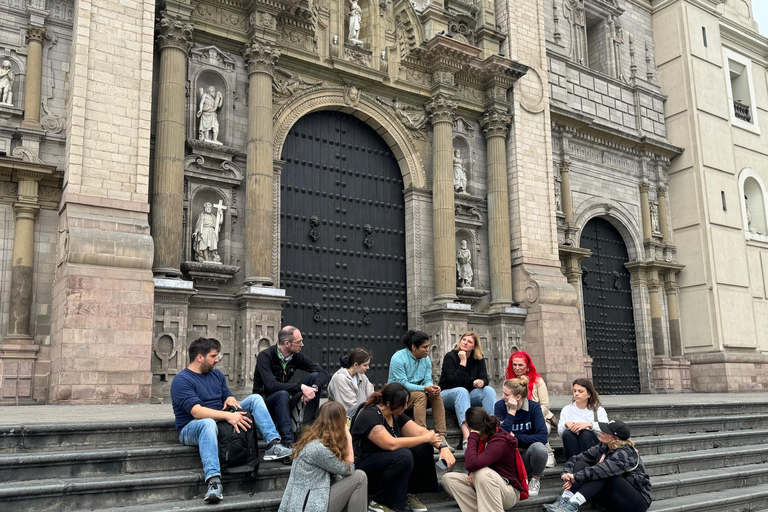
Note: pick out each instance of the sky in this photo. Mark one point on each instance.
(760, 12)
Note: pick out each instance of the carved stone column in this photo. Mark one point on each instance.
(661, 194)
(495, 125)
(565, 176)
(673, 310)
(23, 263)
(645, 208)
(261, 59)
(441, 109)
(34, 78)
(167, 203)
(657, 329)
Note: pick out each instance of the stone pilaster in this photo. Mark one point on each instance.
(657, 327)
(23, 263)
(167, 203)
(645, 208)
(565, 176)
(661, 194)
(673, 311)
(441, 109)
(35, 35)
(495, 125)
(261, 59)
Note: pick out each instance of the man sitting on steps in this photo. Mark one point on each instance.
(200, 395)
(275, 367)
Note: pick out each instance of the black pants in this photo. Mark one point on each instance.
(574, 444)
(281, 403)
(392, 475)
(613, 494)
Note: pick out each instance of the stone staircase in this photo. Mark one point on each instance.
(708, 457)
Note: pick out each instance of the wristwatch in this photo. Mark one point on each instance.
(442, 445)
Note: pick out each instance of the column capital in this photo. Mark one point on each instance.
(441, 108)
(495, 123)
(661, 190)
(261, 57)
(35, 33)
(645, 187)
(26, 210)
(565, 166)
(173, 33)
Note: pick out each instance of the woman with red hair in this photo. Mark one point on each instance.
(520, 363)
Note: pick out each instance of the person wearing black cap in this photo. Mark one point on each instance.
(610, 473)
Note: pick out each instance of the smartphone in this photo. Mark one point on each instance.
(441, 464)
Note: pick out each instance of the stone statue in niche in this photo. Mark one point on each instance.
(205, 237)
(6, 83)
(355, 17)
(210, 103)
(749, 217)
(464, 266)
(558, 194)
(459, 174)
(655, 217)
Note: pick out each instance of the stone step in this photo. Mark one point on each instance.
(710, 480)
(731, 500)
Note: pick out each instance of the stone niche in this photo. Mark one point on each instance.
(210, 67)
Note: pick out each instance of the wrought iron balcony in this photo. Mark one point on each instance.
(742, 111)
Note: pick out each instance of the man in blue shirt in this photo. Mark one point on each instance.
(200, 397)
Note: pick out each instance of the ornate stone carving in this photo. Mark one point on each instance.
(654, 205)
(464, 266)
(298, 39)
(205, 237)
(357, 55)
(261, 57)
(6, 83)
(495, 123)
(441, 108)
(210, 101)
(26, 154)
(285, 87)
(35, 33)
(212, 56)
(461, 125)
(459, 174)
(412, 118)
(355, 18)
(558, 193)
(352, 96)
(173, 33)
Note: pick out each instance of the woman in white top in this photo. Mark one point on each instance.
(578, 424)
(349, 386)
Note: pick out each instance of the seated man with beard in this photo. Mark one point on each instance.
(200, 397)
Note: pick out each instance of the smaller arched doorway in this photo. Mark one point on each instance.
(608, 310)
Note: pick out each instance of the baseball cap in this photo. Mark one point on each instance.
(616, 428)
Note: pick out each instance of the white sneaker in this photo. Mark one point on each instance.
(534, 485)
(551, 460)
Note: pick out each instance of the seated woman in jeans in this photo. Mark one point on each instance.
(464, 381)
(609, 473)
(493, 483)
(578, 424)
(395, 452)
(524, 420)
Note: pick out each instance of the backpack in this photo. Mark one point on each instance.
(238, 452)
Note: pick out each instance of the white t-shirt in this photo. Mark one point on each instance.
(354, 380)
(572, 413)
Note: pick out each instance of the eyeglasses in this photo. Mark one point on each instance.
(298, 342)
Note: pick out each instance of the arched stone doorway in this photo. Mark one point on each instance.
(608, 310)
(342, 240)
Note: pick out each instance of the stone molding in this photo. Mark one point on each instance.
(261, 57)
(495, 123)
(441, 108)
(174, 34)
(323, 98)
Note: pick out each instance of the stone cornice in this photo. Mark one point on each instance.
(18, 170)
(444, 53)
(261, 57)
(498, 71)
(174, 33)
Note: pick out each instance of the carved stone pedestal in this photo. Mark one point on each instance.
(209, 275)
(260, 312)
(444, 323)
(671, 375)
(469, 295)
(17, 370)
(506, 327)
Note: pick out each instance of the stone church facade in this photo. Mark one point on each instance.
(226, 167)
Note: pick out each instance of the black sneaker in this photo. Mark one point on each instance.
(215, 492)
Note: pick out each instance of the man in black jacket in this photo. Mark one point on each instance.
(274, 368)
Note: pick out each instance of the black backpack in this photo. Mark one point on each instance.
(238, 452)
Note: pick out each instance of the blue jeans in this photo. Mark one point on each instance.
(203, 433)
(459, 400)
(280, 404)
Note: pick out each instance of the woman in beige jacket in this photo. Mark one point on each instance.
(349, 386)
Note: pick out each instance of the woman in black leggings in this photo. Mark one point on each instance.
(610, 473)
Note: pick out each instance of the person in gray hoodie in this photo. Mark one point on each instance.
(349, 386)
(323, 477)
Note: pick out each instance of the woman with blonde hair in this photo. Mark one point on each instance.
(524, 420)
(609, 473)
(464, 381)
(579, 420)
(323, 451)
